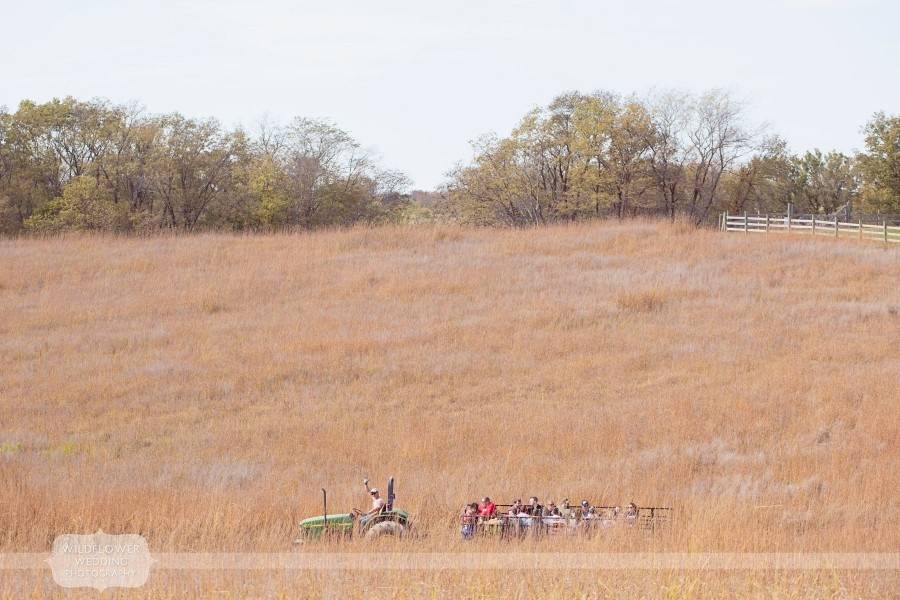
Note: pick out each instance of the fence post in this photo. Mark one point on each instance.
(860, 228)
(747, 227)
(885, 231)
(835, 226)
(789, 215)
(725, 221)
(767, 222)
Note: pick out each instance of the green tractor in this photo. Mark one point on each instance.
(388, 521)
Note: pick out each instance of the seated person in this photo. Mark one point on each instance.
(533, 510)
(631, 514)
(524, 518)
(377, 507)
(486, 509)
(552, 517)
(518, 515)
(589, 519)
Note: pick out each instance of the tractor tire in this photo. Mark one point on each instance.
(384, 529)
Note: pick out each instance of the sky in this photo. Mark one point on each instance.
(416, 81)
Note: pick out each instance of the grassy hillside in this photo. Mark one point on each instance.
(200, 390)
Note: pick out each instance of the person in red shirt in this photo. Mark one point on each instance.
(486, 508)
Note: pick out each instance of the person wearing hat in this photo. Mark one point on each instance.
(377, 505)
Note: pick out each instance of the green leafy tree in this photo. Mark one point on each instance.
(880, 164)
(84, 206)
(823, 183)
(269, 186)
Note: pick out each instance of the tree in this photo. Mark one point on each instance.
(585, 154)
(668, 149)
(880, 164)
(627, 166)
(329, 178)
(500, 188)
(613, 137)
(84, 206)
(765, 182)
(824, 183)
(170, 171)
(86, 165)
(191, 168)
(717, 140)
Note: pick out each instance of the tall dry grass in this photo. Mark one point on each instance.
(200, 390)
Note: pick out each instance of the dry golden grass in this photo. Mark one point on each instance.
(200, 390)
(644, 301)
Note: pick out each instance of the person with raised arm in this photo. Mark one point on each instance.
(377, 505)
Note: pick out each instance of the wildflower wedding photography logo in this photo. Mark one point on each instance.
(100, 560)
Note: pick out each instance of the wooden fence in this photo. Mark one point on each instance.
(811, 225)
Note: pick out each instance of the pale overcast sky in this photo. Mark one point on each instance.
(416, 81)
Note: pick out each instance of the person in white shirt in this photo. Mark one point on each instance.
(631, 514)
(377, 505)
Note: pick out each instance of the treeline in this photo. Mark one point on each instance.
(588, 155)
(74, 165)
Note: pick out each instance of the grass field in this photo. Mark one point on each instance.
(200, 390)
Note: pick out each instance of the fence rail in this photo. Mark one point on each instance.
(809, 225)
